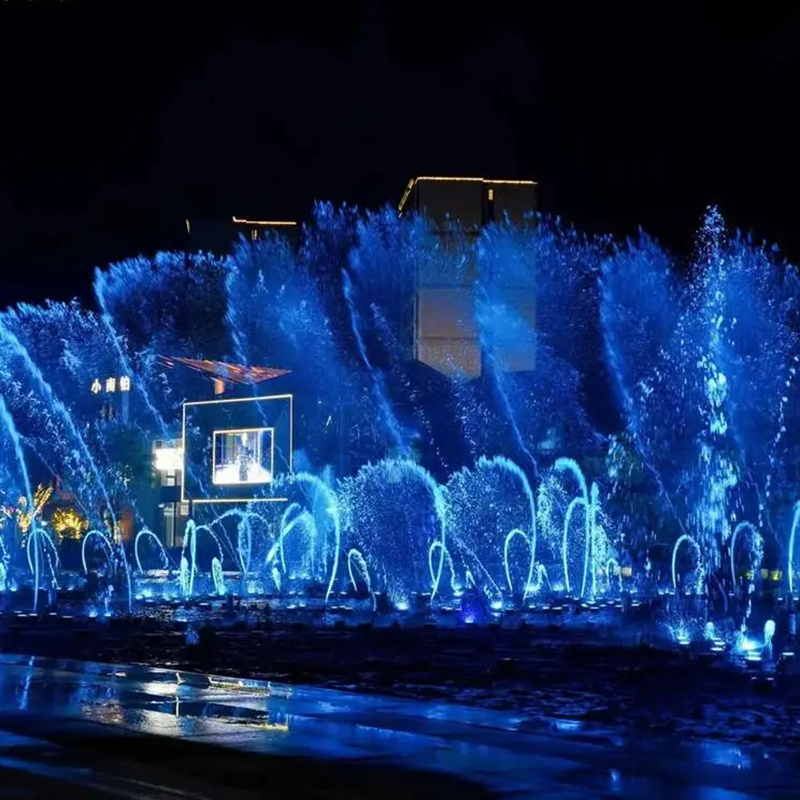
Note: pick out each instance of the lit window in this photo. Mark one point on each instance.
(243, 456)
(168, 459)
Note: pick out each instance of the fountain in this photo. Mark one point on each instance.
(641, 417)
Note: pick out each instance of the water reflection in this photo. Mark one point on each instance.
(268, 718)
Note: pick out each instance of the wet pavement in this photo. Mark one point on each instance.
(68, 723)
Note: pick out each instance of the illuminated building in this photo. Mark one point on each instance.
(445, 330)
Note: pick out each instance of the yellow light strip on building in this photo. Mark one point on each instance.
(242, 500)
(274, 222)
(459, 179)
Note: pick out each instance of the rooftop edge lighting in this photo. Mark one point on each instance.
(462, 179)
(268, 222)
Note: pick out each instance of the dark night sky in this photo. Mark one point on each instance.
(121, 118)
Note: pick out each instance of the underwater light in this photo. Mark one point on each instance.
(753, 657)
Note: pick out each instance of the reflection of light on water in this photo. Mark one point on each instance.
(724, 755)
(239, 685)
(109, 712)
(281, 727)
(160, 689)
(753, 657)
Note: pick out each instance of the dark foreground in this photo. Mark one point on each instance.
(92, 731)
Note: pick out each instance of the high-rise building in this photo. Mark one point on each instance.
(445, 329)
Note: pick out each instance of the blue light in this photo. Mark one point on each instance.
(548, 504)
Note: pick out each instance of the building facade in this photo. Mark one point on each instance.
(446, 335)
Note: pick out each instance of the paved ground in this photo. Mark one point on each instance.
(122, 731)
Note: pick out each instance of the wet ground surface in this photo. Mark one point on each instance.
(128, 731)
(578, 675)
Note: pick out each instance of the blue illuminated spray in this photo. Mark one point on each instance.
(432, 550)
(790, 556)
(588, 501)
(105, 316)
(756, 548)
(58, 406)
(484, 313)
(612, 567)
(331, 508)
(146, 533)
(8, 421)
(690, 540)
(107, 548)
(392, 424)
(614, 361)
(216, 574)
(43, 543)
(512, 534)
(355, 559)
(190, 544)
(507, 465)
(293, 515)
(769, 633)
(184, 577)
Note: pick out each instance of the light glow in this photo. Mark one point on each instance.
(68, 520)
(168, 459)
(238, 456)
